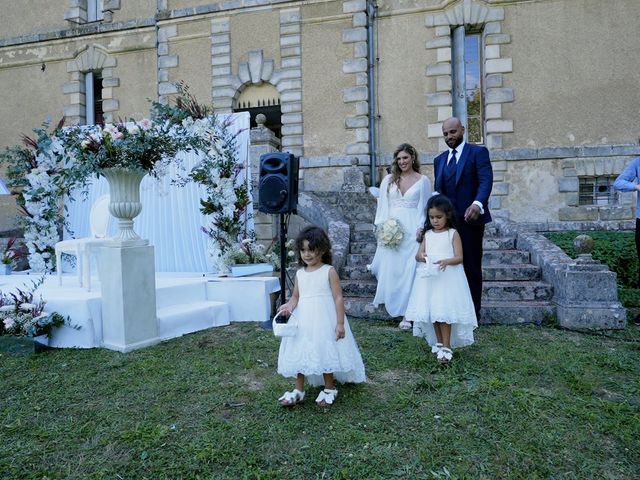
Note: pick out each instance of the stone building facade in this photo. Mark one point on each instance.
(555, 82)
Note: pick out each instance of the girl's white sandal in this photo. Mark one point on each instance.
(445, 355)
(436, 348)
(326, 397)
(292, 398)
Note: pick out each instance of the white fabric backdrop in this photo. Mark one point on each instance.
(170, 217)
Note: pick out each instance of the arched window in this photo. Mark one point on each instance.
(264, 99)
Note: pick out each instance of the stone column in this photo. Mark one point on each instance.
(128, 283)
(263, 141)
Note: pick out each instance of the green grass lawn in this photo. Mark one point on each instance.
(523, 402)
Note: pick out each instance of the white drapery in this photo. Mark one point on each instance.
(170, 219)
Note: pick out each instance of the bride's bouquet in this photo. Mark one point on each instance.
(390, 233)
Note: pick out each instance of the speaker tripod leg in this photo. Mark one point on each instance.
(283, 260)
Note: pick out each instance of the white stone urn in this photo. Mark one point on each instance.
(124, 205)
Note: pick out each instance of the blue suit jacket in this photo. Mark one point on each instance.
(474, 180)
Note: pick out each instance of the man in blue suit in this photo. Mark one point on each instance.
(627, 181)
(464, 174)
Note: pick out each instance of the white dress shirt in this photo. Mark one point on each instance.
(458, 150)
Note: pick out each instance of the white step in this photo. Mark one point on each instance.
(181, 292)
(180, 319)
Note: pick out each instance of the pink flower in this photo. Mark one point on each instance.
(145, 124)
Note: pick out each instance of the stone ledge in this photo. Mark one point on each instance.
(585, 293)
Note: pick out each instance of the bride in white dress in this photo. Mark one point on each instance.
(403, 196)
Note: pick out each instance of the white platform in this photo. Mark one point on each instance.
(185, 303)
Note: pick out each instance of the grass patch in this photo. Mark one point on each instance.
(523, 402)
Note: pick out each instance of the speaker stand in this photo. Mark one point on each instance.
(283, 269)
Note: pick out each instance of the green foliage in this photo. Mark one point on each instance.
(185, 105)
(615, 249)
(522, 403)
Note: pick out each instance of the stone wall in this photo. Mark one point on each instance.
(554, 110)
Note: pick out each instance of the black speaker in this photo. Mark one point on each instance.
(278, 183)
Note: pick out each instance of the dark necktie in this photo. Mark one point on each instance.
(451, 166)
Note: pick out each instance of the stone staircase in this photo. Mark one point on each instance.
(513, 291)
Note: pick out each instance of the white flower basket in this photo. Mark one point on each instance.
(289, 328)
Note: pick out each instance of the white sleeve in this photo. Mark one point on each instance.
(382, 211)
(425, 194)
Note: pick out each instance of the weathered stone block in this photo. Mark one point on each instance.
(350, 35)
(443, 31)
(354, 66)
(438, 69)
(355, 94)
(498, 65)
(568, 185)
(495, 80)
(443, 54)
(356, 148)
(359, 121)
(353, 6)
(360, 50)
(614, 212)
(289, 40)
(439, 42)
(290, 16)
(497, 39)
(359, 19)
(499, 95)
(499, 126)
(110, 105)
(362, 108)
(444, 112)
(584, 212)
(434, 130)
(500, 188)
(443, 83)
(437, 99)
(165, 33)
(493, 110)
(291, 96)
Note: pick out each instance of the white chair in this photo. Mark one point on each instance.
(99, 220)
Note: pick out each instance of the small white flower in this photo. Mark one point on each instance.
(27, 307)
(7, 308)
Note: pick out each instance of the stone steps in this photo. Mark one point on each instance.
(490, 273)
(489, 243)
(498, 291)
(489, 257)
(516, 312)
(361, 307)
(512, 290)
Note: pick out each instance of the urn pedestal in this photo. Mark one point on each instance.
(124, 205)
(127, 270)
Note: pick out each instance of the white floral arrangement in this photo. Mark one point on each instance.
(390, 233)
(52, 164)
(23, 315)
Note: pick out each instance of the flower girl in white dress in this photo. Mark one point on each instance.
(323, 349)
(440, 305)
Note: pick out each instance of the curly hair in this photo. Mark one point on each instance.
(395, 169)
(318, 241)
(442, 203)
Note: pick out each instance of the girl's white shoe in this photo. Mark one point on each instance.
(445, 355)
(289, 399)
(436, 348)
(326, 397)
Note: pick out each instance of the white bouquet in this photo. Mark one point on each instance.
(390, 233)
